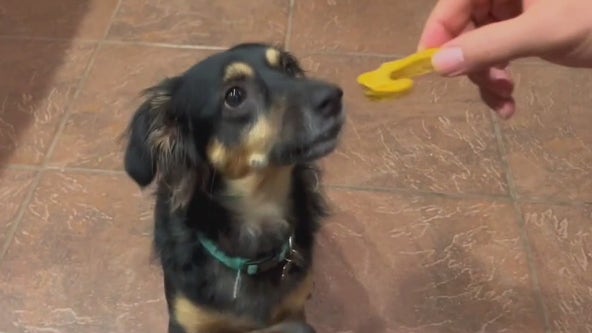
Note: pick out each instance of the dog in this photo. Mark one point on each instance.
(232, 145)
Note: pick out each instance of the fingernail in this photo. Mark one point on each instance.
(449, 61)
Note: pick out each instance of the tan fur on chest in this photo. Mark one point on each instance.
(263, 196)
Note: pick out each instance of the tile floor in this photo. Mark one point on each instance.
(446, 219)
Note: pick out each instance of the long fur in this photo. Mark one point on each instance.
(168, 138)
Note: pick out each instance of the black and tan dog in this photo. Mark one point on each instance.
(232, 144)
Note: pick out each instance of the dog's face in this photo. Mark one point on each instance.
(237, 112)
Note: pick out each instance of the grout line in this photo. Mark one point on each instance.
(288, 38)
(526, 200)
(111, 19)
(418, 192)
(66, 117)
(521, 224)
(287, 41)
(48, 39)
(536, 200)
(166, 45)
(19, 216)
(530, 200)
(196, 46)
(23, 167)
(388, 56)
(84, 170)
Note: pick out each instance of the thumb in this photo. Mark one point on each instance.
(489, 45)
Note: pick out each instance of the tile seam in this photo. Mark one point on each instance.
(289, 25)
(534, 277)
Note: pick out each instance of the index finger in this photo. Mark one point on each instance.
(447, 20)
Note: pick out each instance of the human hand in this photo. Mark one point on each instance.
(480, 37)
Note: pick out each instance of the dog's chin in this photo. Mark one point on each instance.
(318, 147)
(313, 152)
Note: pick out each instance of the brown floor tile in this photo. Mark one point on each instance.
(549, 140)
(58, 19)
(80, 261)
(385, 26)
(201, 22)
(561, 237)
(109, 98)
(14, 186)
(389, 263)
(439, 138)
(34, 91)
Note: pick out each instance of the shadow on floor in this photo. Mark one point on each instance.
(459, 294)
(32, 96)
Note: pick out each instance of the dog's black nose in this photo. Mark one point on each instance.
(327, 100)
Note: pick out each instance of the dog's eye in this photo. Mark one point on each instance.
(235, 96)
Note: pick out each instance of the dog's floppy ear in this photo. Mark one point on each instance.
(161, 143)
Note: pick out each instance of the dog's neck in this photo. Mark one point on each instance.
(261, 204)
(268, 185)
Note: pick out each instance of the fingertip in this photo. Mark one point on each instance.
(494, 80)
(501, 82)
(504, 107)
(507, 109)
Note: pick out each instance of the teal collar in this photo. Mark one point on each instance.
(244, 265)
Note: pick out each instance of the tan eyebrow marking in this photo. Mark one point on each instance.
(238, 70)
(273, 57)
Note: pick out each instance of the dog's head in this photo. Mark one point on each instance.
(241, 111)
